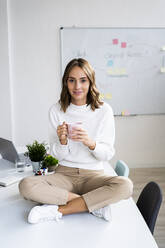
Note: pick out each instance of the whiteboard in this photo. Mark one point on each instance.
(129, 64)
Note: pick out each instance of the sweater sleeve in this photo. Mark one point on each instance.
(105, 139)
(56, 149)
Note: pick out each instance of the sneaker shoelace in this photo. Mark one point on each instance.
(98, 212)
(44, 219)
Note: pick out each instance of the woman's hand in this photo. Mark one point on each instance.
(62, 132)
(81, 135)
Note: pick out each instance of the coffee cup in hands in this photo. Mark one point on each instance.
(72, 127)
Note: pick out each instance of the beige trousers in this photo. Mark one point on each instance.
(96, 188)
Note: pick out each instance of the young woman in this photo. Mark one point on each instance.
(79, 183)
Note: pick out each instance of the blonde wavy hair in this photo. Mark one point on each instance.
(93, 93)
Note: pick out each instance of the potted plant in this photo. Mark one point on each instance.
(36, 153)
(50, 162)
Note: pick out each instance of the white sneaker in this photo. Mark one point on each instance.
(104, 213)
(44, 213)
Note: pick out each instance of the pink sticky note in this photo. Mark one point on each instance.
(123, 44)
(115, 41)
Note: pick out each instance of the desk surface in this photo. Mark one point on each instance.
(127, 229)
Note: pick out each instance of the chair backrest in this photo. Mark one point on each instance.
(122, 168)
(149, 203)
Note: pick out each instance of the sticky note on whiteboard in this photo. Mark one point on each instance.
(162, 70)
(123, 44)
(115, 41)
(110, 63)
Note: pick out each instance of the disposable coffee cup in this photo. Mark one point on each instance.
(72, 127)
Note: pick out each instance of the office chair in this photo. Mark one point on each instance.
(149, 203)
(122, 168)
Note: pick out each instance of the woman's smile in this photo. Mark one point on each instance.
(77, 92)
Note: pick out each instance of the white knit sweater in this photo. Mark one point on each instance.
(100, 127)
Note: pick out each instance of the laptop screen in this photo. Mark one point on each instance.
(8, 151)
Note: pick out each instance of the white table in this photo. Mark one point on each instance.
(127, 229)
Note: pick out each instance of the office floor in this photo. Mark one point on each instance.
(140, 177)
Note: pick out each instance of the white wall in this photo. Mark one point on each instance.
(5, 96)
(35, 68)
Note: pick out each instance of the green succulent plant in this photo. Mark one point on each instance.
(37, 151)
(49, 161)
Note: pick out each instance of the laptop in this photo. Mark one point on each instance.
(7, 170)
(8, 151)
